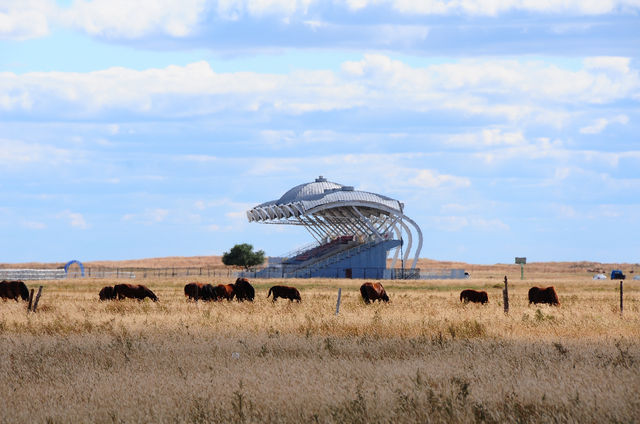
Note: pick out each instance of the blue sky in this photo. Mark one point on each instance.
(143, 129)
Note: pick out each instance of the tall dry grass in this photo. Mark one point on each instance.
(422, 358)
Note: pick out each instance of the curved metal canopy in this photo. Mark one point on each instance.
(329, 210)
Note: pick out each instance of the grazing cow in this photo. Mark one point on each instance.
(543, 295)
(207, 293)
(373, 291)
(133, 291)
(14, 290)
(107, 293)
(193, 291)
(223, 291)
(474, 296)
(243, 290)
(284, 292)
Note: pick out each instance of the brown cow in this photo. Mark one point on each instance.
(193, 291)
(284, 292)
(133, 291)
(223, 291)
(373, 291)
(543, 295)
(474, 296)
(14, 290)
(107, 293)
(243, 290)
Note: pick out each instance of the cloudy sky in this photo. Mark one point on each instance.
(132, 129)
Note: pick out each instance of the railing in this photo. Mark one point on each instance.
(32, 274)
(299, 250)
(371, 273)
(443, 274)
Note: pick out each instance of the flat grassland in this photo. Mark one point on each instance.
(424, 357)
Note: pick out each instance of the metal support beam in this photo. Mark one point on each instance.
(395, 255)
(368, 223)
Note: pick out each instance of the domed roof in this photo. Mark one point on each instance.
(322, 192)
(304, 191)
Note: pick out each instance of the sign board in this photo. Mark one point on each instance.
(521, 261)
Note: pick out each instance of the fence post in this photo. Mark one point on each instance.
(505, 295)
(30, 301)
(338, 302)
(35, 303)
(621, 305)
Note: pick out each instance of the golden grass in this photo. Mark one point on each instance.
(422, 358)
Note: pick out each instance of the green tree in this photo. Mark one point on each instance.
(243, 255)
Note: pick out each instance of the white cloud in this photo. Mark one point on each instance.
(459, 223)
(76, 220)
(19, 153)
(488, 224)
(34, 225)
(148, 216)
(184, 18)
(289, 138)
(450, 223)
(24, 19)
(539, 148)
(497, 88)
(428, 178)
(601, 124)
(489, 137)
(134, 19)
(612, 63)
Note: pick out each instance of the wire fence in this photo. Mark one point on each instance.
(195, 272)
(157, 272)
(32, 274)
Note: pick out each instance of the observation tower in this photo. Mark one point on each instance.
(354, 232)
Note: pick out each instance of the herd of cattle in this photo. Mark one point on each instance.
(243, 290)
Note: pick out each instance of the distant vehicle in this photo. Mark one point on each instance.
(637, 277)
(616, 274)
(599, 277)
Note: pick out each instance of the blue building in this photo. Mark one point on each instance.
(354, 232)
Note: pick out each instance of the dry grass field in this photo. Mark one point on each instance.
(424, 357)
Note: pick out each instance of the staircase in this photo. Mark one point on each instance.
(313, 268)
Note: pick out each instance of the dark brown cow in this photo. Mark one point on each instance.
(373, 291)
(243, 290)
(207, 293)
(133, 291)
(193, 291)
(474, 296)
(543, 295)
(223, 291)
(14, 290)
(107, 293)
(284, 292)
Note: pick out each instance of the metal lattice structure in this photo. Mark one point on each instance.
(330, 211)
